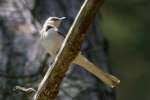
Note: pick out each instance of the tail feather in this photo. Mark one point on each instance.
(108, 79)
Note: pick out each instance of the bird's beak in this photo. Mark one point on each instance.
(62, 18)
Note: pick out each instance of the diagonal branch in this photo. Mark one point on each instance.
(49, 87)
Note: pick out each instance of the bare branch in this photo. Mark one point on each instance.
(25, 90)
(28, 91)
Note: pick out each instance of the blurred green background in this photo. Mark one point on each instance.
(126, 24)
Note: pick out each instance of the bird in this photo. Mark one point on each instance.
(51, 39)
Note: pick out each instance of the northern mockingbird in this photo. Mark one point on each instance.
(52, 40)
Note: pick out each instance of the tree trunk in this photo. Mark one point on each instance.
(21, 52)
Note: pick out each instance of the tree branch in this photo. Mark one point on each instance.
(49, 87)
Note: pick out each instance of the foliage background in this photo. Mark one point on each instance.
(126, 25)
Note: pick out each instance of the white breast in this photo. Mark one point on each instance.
(51, 40)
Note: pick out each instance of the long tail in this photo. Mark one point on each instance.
(108, 79)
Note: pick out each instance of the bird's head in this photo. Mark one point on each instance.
(51, 22)
(54, 21)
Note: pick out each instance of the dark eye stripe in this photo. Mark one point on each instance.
(55, 19)
(48, 27)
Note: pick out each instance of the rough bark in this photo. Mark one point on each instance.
(21, 53)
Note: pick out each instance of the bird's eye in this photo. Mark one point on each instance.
(54, 19)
